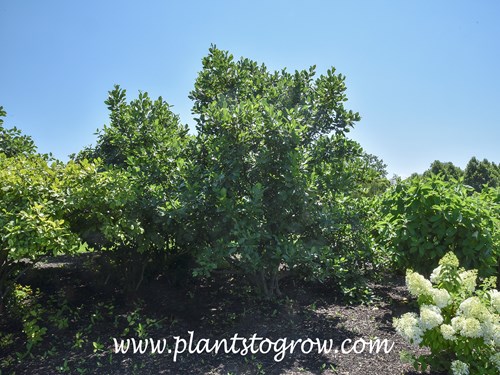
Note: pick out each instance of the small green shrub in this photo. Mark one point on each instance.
(421, 219)
(459, 324)
(25, 306)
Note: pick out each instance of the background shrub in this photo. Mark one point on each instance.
(423, 218)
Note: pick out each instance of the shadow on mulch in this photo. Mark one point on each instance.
(213, 309)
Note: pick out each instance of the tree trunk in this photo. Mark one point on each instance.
(267, 284)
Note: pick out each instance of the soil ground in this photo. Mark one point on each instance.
(90, 315)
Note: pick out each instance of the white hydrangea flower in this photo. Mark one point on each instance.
(495, 359)
(471, 328)
(495, 299)
(468, 280)
(430, 316)
(441, 297)
(408, 326)
(458, 323)
(449, 259)
(459, 368)
(417, 284)
(448, 332)
(491, 332)
(472, 307)
(436, 275)
(495, 334)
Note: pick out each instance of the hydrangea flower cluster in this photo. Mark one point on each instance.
(409, 327)
(436, 275)
(468, 280)
(494, 296)
(419, 285)
(454, 321)
(459, 368)
(430, 316)
(448, 332)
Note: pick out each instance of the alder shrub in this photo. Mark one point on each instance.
(457, 321)
(143, 146)
(256, 196)
(421, 219)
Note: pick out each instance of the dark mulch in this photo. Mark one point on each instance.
(212, 309)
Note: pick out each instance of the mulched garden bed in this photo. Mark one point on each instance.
(212, 309)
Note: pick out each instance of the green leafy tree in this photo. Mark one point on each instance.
(12, 141)
(349, 169)
(447, 170)
(252, 195)
(347, 179)
(480, 173)
(371, 173)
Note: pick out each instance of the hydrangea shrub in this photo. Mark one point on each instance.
(458, 320)
(421, 219)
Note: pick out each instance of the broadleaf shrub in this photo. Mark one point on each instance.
(268, 172)
(32, 213)
(421, 219)
(140, 157)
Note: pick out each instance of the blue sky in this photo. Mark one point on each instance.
(424, 75)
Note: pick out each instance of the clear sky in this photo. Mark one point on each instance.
(424, 75)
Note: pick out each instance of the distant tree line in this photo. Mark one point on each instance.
(476, 174)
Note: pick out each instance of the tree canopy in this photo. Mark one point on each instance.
(12, 141)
